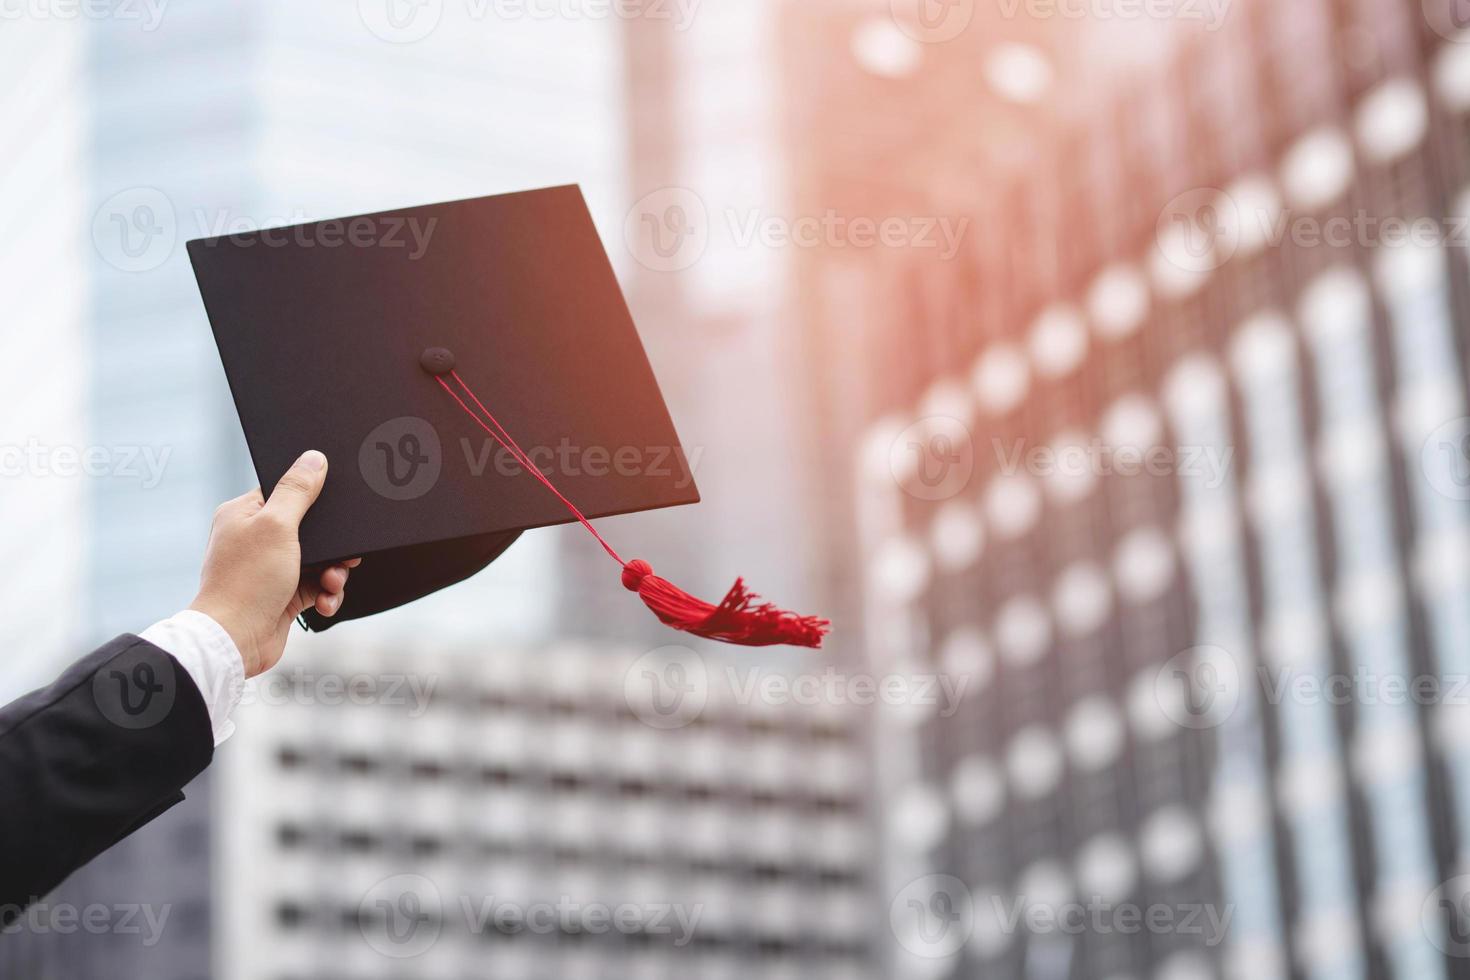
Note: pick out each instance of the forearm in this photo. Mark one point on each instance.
(90, 758)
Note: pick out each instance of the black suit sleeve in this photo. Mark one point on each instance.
(91, 758)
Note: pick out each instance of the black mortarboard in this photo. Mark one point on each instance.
(373, 337)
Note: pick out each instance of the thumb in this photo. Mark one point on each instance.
(299, 488)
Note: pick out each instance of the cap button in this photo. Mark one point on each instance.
(635, 572)
(437, 361)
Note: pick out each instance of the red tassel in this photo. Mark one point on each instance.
(740, 619)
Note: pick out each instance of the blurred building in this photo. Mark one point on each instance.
(706, 156)
(418, 812)
(44, 212)
(139, 127)
(1151, 272)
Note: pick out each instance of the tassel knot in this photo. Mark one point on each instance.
(634, 573)
(740, 618)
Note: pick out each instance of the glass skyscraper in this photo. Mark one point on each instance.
(142, 132)
(1168, 459)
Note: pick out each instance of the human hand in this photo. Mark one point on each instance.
(253, 584)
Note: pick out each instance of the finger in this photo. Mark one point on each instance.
(328, 605)
(299, 488)
(306, 596)
(246, 503)
(334, 579)
(352, 562)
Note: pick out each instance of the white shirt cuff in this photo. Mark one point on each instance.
(213, 661)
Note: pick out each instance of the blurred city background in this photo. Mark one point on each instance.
(1099, 366)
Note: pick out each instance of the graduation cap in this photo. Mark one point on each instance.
(476, 369)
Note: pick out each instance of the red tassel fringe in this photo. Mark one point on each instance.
(741, 618)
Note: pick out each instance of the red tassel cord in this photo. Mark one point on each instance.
(741, 618)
